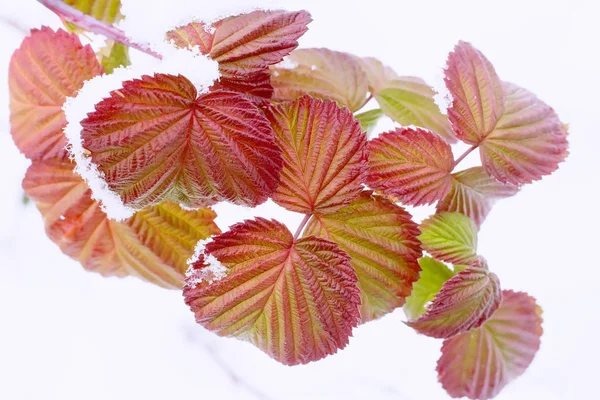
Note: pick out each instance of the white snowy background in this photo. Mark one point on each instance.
(67, 334)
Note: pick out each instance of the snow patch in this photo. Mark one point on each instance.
(214, 271)
(199, 69)
(288, 63)
(443, 98)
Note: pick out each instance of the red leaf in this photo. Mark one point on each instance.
(296, 300)
(154, 140)
(473, 193)
(465, 302)
(478, 364)
(411, 164)
(528, 142)
(324, 155)
(153, 245)
(382, 240)
(47, 68)
(477, 93)
(245, 45)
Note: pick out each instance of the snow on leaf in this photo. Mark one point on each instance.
(433, 275)
(464, 302)
(480, 363)
(411, 164)
(321, 73)
(153, 245)
(368, 120)
(378, 74)
(528, 142)
(156, 140)
(324, 155)
(47, 68)
(245, 45)
(473, 193)
(381, 240)
(296, 300)
(450, 237)
(409, 101)
(477, 93)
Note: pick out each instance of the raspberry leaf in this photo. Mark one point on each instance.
(368, 120)
(473, 193)
(409, 101)
(480, 363)
(47, 68)
(156, 140)
(464, 302)
(410, 164)
(296, 300)
(381, 240)
(450, 237)
(153, 245)
(321, 73)
(378, 74)
(433, 275)
(324, 155)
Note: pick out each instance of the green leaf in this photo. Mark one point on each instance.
(108, 11)
(368, 120)
(450, 237)
(114, 55)
(409, 101)
(433, 275)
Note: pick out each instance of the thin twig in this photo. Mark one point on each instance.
(465, 154)
(14, 24)
(231, 374)
(66, 12)
(302, 225)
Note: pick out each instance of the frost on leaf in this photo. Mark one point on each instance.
(381, 240)
(156, 139)
(409, 101)
(433, 275)
(153, 245)
(480, 363)
(296, 300)
(47, 68)
(473, 193)
(411, 164)
(464, 302)
(450, 237)
(245, 45)
(324, 155)
(528, 142)
(321, 73)
(477, 94)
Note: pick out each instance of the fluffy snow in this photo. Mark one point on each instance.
(213, 272)
(200, 70)
(77, 335)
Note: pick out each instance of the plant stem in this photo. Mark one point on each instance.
(66, 12)
(302, 225)
(465, 154)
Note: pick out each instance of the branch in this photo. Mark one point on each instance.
(465, 154)
(14, 24)
(68, 13)
(302, 225)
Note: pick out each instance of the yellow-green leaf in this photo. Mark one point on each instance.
(433, 275)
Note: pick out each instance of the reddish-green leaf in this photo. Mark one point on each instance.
(381, 239)
(47, 68)
(154, 244)
(477, 94)
(433, 275)
(155, 140)
(473, 193)
(478, 364)
(324, 155)
(245, 45)
(464, 302)
(378, 74)
(528, 142)
(321, 73)
(411, 164)
(296, 300)
(450, 237)
(409, 101)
